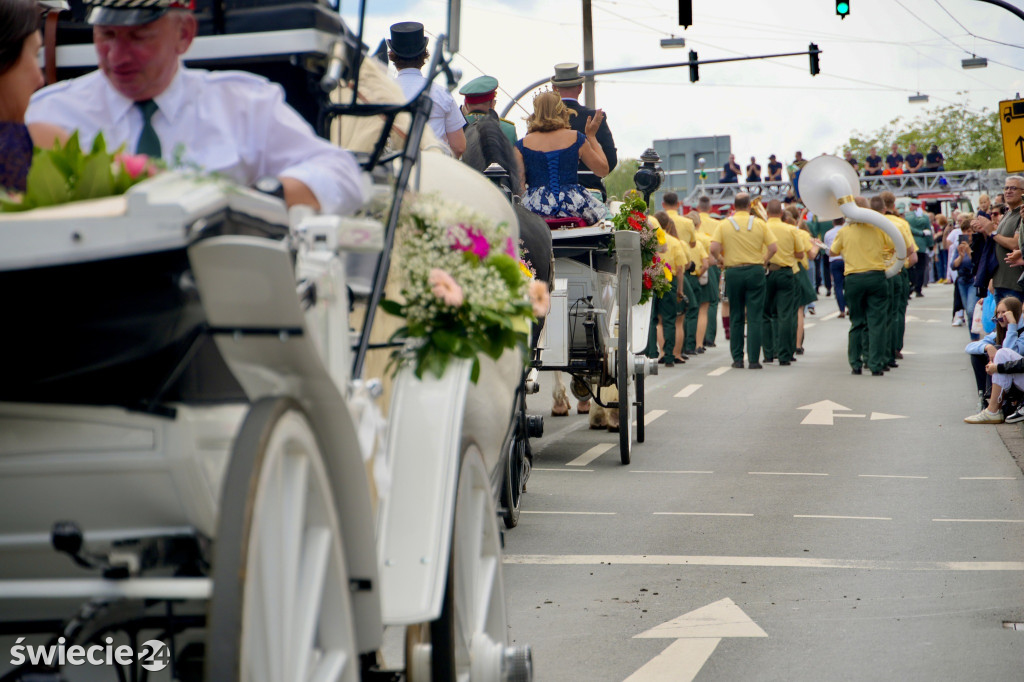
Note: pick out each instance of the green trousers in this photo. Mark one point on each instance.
(664, 308)
(779, 333)
(692, 313)
(714, 275)
(744, 287)
(900, 320)
(867, 297)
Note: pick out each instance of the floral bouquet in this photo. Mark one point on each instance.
(466, 290)
(66, 173)
(657, 275)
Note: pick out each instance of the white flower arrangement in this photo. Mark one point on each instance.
(466, 291)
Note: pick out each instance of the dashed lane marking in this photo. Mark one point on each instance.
(978, 520)
(570, 513)
(566, 471)
(782, 473)
(887, 476)
(756, 561)
(719, 372)
(699, 514)
(688, 391)
(637, 471)
(988, 478)
(830, 316)
(854, 518)
(591, 454)
(652, 415)
(808, 325)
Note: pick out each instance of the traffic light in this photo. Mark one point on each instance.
(843, 8)
(813, 50)
(686, 13)
(694, 76)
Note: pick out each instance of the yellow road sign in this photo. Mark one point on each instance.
(1011, 121)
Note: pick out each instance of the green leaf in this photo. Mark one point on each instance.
(445, 341)
(8, 206)
(96, 179)
(393, 307)
(507, 268)
(474, 374)
(47, 186)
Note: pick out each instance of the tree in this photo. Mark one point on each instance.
(969, 140)
(620, 180)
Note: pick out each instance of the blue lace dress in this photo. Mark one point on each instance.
(554, 189)
(15, 155)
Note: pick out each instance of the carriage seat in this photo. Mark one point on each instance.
(565, 223)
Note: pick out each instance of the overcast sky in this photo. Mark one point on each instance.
(870, 63)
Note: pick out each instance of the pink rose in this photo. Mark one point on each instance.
(135, 165)
(477, 242)
(445, 287)
(539, 298)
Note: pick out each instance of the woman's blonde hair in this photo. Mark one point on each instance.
(549, 113)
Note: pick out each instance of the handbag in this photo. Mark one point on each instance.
(977, 321)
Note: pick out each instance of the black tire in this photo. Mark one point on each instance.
(517, 470)
(622, 369)
(639, 382)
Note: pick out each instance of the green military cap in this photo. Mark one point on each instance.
(481, 89)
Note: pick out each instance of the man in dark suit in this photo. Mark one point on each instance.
(569, 84)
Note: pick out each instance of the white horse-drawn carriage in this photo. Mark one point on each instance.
(186, 435)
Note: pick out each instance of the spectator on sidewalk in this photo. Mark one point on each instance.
(1002, 345)
(836, 265)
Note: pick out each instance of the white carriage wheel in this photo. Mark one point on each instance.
(280, 609)
(468, 641)
(624, 378)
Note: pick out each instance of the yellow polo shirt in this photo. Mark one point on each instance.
(707, 224)
(684, 227)
(804, 240)
(904, 227)
(862, 246)
(676, 255)
(741, 246)
(787, 241)
(699, 253)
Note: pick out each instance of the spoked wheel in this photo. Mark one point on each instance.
(623, 373)
(468, 641)
(517, 470)
(280, 608)
(639, 382)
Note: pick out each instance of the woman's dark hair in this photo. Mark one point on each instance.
(1014, 306)
(18, 20)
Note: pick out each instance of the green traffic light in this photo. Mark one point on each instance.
(842, 8)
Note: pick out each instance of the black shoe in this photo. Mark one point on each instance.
(755, 365)
(737, 365)
(894, 364)
(769, 360)
(856, 370)
(669, 364)
(876, 373)
(886, 368)
(700, 350)
(661, 360)
(828, 293)
(799, 351)
(710, 344)
(689, 352)
(681, 361)
(899, 355)
(919, 295)
(784, 363)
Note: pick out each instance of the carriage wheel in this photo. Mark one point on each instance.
(623, 374)
(517, 470)
(280, 608)
(468, 641)
(639, 382)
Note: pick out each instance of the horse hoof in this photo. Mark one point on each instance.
(583, 407)
(560, 410)
(598, 425)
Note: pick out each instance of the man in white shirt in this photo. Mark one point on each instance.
(228, 122)
(407, 50)
(836, 265)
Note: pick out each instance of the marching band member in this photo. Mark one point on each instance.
(707, 228)
(780, 306)
(900, 284)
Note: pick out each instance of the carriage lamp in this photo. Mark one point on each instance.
(649, 176)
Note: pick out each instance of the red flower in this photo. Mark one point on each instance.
(634, 223)
(648, 282)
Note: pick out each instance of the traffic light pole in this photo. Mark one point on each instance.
(654, 67)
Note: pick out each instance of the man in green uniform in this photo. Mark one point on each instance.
(707, 227)
(745, 245)
(901, 282)
(864, 249)
(780, 308)
(481, 94)
(921, 228)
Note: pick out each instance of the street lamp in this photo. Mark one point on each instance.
(703, 174)
(673, 42)
(974, 62)
(917, 99)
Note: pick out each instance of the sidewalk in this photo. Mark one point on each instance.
(1012, 436)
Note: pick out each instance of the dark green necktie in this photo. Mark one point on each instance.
(149, 142)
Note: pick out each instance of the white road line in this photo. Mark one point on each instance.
(988, 478)
(565, 471)
(909, 352)
(652, 415)
(570, 513)
(830, 316)
(781, 473)
(698, 514)
(719, 372)
(887, 476)
(688, 391)
(979, 520)
(638, 471)
(856, 518)
(756, 561)
(933, 321)
(808, 325)
(591, 454)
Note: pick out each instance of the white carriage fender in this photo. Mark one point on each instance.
(416, 519)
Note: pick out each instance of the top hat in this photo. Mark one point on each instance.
(407, 39)
(566, 76)
(132, 12)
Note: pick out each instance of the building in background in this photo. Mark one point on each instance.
(679, 159)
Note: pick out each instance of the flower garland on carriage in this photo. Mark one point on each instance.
(465, 289)
(657, 275)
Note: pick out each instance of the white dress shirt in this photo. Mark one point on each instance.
(828, 238)
(445, 116)
(229, 122)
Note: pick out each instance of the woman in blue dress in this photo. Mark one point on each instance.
(550, 155)
(19, 78)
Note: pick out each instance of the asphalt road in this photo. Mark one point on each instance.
(874, 548)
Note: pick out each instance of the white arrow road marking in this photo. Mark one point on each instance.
(590, 455)
(688, 391)
(697, 634)
(880, 416)
(823, 412)
(719, 372)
